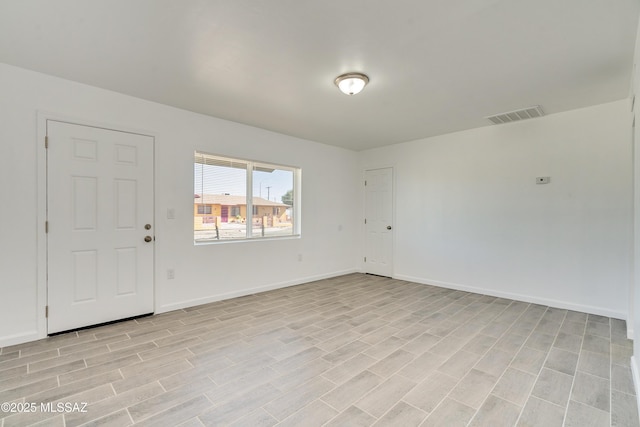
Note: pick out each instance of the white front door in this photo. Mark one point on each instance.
(99, 211)
(379, 221)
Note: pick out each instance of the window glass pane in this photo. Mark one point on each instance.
(236, 199)
(220, 199)
(272, 201)
(204, 209)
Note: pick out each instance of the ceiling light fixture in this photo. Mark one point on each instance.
(351, 83)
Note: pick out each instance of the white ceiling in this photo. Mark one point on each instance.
(436, 66)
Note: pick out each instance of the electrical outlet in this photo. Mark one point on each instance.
(299, 257)
(171, 274)
(171, 213)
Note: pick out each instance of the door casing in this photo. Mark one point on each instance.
(390, 270)
(40, 330)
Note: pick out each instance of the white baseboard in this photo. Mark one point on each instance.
(19, 338)
(34, 335)
(228, 295)
(519, 297)
(636, 380)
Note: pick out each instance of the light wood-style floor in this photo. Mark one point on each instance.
(355, 350)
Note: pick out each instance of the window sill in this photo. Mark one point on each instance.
(245, 240)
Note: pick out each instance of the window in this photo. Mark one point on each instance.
(204, 209)
(245, 199)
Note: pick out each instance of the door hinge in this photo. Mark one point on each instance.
(46, 226)
(365, 183)
(365, 259)
(365, 220)
(46, 142)
(46, 312)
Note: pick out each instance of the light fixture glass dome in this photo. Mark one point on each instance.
(351, 83)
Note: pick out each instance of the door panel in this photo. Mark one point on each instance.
(126, 270)
(379, 221)
(99, 198)
(126, 193)
(85, 275)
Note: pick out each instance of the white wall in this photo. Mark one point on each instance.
(635, 291)
(470, 216)
(202, 273)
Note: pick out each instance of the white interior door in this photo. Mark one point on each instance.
(99, 201)
(379, 221)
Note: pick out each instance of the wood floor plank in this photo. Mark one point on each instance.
(355, 350)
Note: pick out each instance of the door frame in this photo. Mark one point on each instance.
(363, 228)
(41, 191)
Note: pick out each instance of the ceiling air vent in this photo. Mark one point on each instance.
(514, 116)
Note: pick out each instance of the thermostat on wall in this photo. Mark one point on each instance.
(543, 179)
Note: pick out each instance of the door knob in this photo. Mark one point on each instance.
(147, 227)
(388, 227)
(148, 239)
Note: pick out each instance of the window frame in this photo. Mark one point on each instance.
(250, 166)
